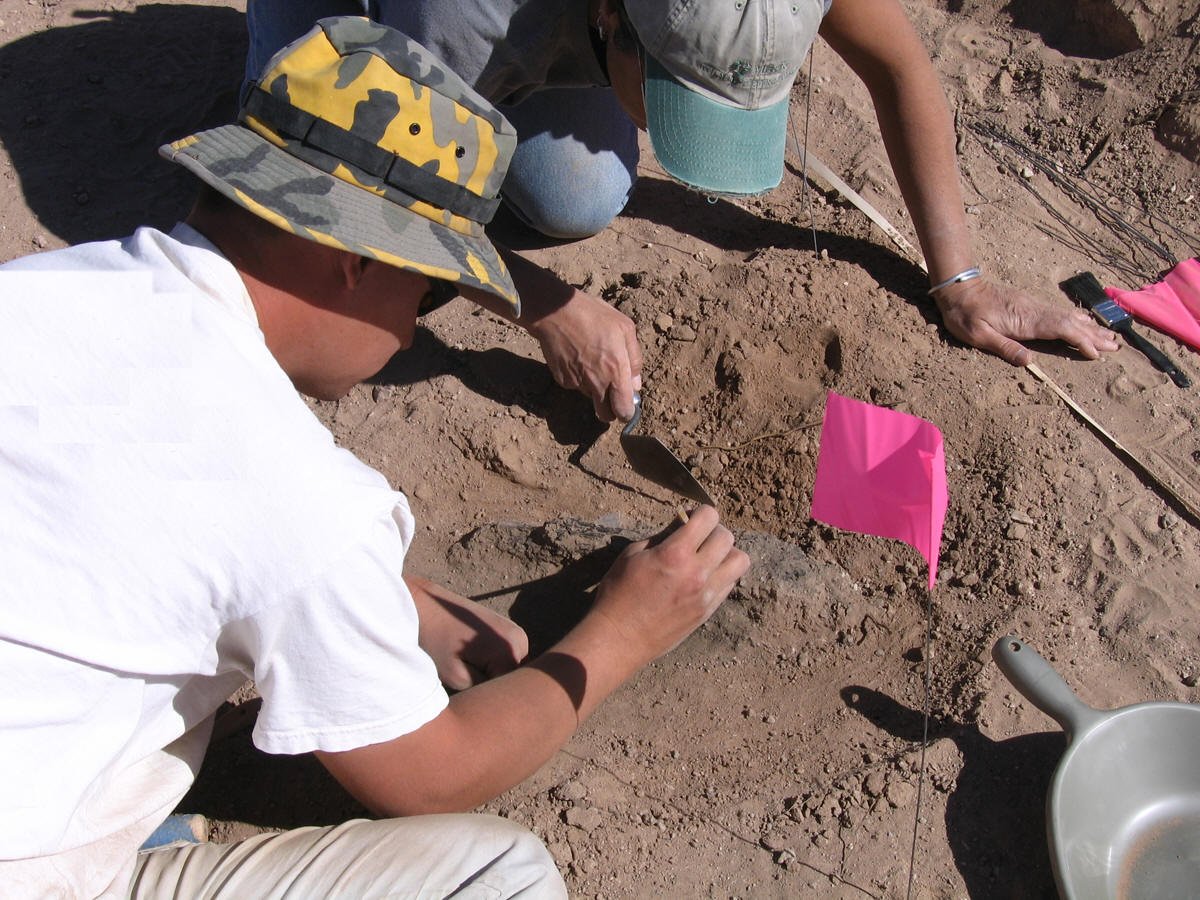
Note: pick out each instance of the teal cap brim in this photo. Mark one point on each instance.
(711, 146)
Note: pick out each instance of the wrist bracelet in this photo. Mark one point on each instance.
(964, 275)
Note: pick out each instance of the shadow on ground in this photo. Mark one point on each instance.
(995, 814)
(87, 157)
(501, 376)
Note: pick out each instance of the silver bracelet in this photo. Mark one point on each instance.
(964, 275)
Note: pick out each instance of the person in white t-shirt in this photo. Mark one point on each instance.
(177, 521)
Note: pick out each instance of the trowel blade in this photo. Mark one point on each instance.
(650, 458)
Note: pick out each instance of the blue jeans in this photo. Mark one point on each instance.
(577, 151)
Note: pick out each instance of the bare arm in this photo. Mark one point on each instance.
(466, 641)
(878, 42)
(588, 345)
(497, 733)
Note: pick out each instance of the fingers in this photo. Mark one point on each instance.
(634, 352)
(616, 400)
(1089, 338)
(634, 549)
(458, 675)
(609, 386)
(620, 400)
(997, 318)
(984, 337)
(691, 535)
(593, 348)
(602, 408)
(713, 544)
(727, 562)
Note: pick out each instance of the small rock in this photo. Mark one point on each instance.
(874, 784)
(663, 323)
(900, 794)
(584, 818)
(1017, 532)
(682, 333)
(569, 791)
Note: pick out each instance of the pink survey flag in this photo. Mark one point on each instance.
(1171, 305)
(882, 472)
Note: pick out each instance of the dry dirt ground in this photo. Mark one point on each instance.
(777, 752)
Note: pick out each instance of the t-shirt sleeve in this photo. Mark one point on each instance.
(337, 662)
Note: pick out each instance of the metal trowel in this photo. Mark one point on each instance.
(650, 458)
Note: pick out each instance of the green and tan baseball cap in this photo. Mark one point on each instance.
(357, 137)
(718, 80)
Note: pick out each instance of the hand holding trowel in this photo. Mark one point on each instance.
(650, 458)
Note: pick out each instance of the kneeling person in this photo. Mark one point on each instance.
(178, 521)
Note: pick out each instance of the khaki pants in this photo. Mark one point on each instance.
(464, 856)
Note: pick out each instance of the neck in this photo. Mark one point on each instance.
(283, 274)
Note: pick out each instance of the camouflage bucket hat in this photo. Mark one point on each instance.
(357, 137)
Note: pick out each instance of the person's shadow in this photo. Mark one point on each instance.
(730, 227)
(995, 814)
(727, 225)
(84, 108)
(504, 377)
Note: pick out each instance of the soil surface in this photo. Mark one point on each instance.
(777, 752)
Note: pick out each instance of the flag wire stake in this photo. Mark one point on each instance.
(912, 857)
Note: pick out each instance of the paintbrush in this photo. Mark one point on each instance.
(1084, 288)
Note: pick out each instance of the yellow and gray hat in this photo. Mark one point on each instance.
(357, 137)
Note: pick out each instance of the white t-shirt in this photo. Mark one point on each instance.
(175, 520)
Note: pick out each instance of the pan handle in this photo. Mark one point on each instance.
(1043, 686)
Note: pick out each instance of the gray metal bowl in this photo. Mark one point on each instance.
(1123, 812)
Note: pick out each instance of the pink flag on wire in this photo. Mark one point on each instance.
(882, 472)
(1171, 305)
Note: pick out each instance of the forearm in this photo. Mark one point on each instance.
(588, 345)
(915, 122)
(499, 732)
(494, 735)
(541, 292)
(878, 42)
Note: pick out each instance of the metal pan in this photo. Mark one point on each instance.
(1123, 812)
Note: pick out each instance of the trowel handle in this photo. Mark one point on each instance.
(1042, 685)
(637, 414)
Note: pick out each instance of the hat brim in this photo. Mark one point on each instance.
(312, 204)
(712, 146)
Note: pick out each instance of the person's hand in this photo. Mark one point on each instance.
(658, 592)
(468, 642)
(593, 348)
(996, 318)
